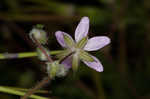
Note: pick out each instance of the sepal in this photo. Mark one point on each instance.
(85, 56)
(69, 41)
(82, 42)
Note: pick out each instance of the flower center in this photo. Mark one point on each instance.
(75, 49)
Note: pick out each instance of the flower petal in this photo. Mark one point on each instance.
(82, 29)
(96, 65)
(60, 38)
(96, 43)
(68, 62)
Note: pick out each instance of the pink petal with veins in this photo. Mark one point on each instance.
(82, 29)
(96, 65)
(60, 38)
(96, 43)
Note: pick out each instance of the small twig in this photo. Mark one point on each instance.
(38, 86)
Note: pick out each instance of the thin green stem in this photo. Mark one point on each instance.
(46, 79)
(24, 54)
(25, 89)
(20, 93)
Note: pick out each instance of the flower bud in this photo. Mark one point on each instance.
(55, 69)
(39, 34)
(52, 68)
(62, 71)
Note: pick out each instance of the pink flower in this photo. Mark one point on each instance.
(82, 45)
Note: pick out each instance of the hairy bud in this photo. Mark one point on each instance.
(39, 34)
(55, 69)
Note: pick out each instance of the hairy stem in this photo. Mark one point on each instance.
(45, 80)
(42, 49)
(38, 86)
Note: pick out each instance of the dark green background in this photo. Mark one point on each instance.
(126, 60)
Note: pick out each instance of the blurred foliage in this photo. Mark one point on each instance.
(126, 60)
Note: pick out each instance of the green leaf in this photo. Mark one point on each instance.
(69, 41)
(86, 56)
(75, 62)
(82, 42)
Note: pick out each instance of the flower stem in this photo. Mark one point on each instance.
(17, 92)
(45, 80)
(24, 54)
(25, 89)
(38, 86)
(42, 49)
